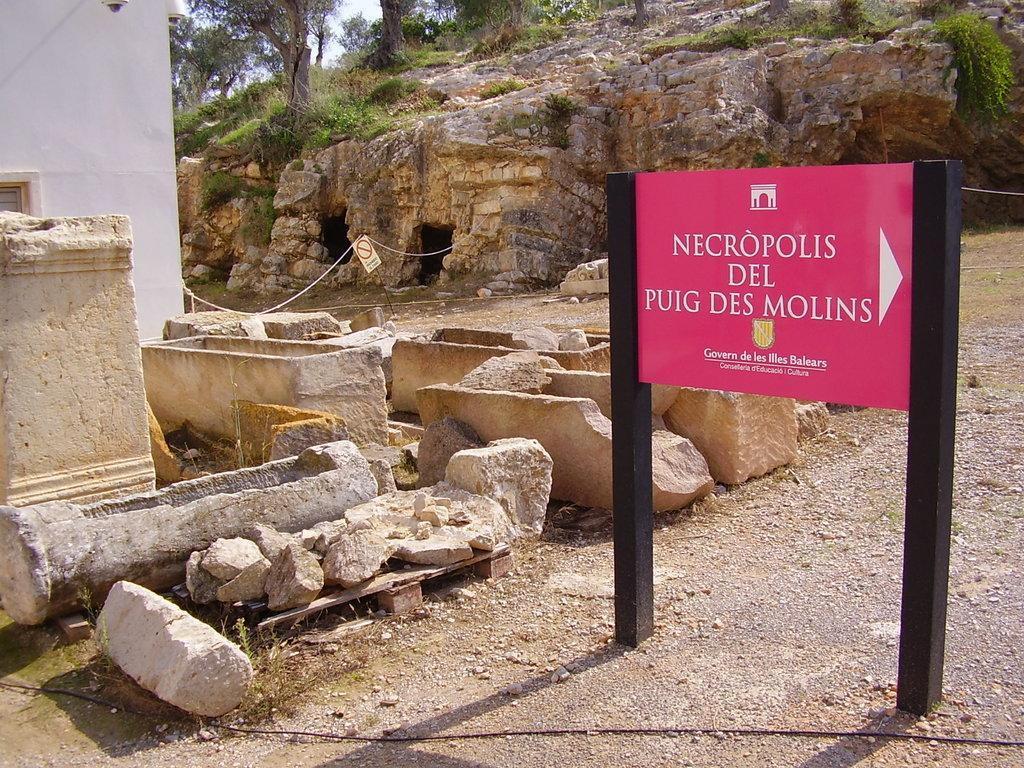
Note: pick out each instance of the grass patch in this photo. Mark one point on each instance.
(511, 40)
(423, 57)
(219, 189)
(984, 66)
(243, 134)
(217, 119)
(393, 89)
(258, 221)
(862, 21)
(283, 676)
(501, 87)
(341, 117)
(357, 104)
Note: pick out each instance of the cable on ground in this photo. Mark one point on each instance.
(406, 738)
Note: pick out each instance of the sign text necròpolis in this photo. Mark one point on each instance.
(789, 281)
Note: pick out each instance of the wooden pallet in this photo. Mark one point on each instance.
(396, 592)
(74, 627)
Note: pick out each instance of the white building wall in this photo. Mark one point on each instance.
(86, 121)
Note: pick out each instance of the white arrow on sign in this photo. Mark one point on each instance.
(889, 276)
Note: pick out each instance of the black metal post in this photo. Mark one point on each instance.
(631, 427)
(935, 291)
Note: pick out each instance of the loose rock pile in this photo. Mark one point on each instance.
(188, 664)
(587, 279)
(490, 496)
(51, 555)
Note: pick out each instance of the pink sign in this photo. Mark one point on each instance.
(778, 281)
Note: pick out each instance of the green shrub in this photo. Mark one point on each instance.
(258, 221)
(186, 122)
(741, 38)
(420, 29)
(276, 140)
(849, 15)
(220, 188)
(192, 143)
(228, 121)
(391, 90)
(984, 66)
(501, 87)
(537, 36)
(558, 112)
(935, 9)
(559, 106)
(498, 42)
(565, 11)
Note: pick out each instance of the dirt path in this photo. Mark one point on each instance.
(777, 606)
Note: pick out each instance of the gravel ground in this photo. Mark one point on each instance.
(777, 607)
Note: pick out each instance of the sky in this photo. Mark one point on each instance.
(369, 8)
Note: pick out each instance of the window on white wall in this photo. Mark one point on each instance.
(12, 198)
(19, 190)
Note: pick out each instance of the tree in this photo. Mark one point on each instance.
(355, 34)
(641, 13)
(210, 59)
(285, 24)
(391, 39)
(320, 13)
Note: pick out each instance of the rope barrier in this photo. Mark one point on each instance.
(407, 253)
(276, 307)
(194, 298)
(992, 192)
(325, 274)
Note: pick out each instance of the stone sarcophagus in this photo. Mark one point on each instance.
(72, 400)
(200, 380)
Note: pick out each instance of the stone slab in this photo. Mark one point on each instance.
(180, 659)
(577, 436)
(73, 419)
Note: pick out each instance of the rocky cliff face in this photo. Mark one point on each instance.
(516, 181)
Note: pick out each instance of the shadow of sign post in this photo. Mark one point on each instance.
(824, 283)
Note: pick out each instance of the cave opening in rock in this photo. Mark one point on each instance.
(335, 240)
(432, 240)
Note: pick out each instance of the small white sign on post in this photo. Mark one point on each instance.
(367, 254)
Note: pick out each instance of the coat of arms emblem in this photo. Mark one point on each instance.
(764, 333)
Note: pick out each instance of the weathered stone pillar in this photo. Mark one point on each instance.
(72, 400)
(58, 557)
